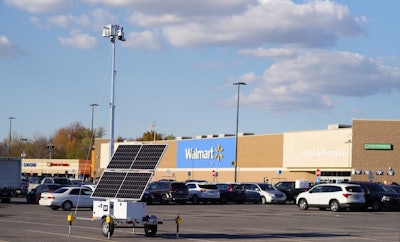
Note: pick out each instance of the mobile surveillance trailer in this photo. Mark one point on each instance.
(120, 189)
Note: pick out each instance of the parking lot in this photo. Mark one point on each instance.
(241, 222)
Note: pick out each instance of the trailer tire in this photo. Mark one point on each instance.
(150, 230)
(107, 228)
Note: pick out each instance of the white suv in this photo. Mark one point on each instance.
(333, 196)
(203, 192)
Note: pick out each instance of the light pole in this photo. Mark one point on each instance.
(238, 84)
(93, 105)
(112, 32)
(9, 138)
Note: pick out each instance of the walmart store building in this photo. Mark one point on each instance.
(367, 150)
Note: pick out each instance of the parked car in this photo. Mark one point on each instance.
(274, 194)
(33, 182)
(67, 198)
(392, 188)
(23, 190)
(293, 188)
(58, 180)
(34, 195)
(266, 196)
(334, 196)
(203, 192)
(165, 192)
(237, 193)
(377, 198)
(147, 197)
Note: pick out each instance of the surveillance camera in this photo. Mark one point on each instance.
(120, 34)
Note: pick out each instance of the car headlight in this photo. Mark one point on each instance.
(386, 199)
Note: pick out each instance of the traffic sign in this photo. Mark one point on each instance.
(318, 172)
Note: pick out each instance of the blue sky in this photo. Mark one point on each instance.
(307, 64)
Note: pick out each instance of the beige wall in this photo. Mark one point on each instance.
(318, 149)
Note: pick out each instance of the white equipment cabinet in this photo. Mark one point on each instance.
(114, 213)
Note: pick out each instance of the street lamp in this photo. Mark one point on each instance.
(93, 105)
(112, 32)
(238, 84)
(9, 138)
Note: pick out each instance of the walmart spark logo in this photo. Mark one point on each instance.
(218, 153)
(207, 154)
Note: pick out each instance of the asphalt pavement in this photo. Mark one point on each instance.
(238, 222)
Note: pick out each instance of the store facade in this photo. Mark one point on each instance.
(335, 154)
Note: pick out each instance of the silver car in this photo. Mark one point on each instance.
(203, 192)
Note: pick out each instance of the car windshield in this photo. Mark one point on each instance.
(61, 190)
(62, 181)
(376, 188)
(34, 180)
(267, 187)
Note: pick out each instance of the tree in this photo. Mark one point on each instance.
(72, 142)
(153, 135)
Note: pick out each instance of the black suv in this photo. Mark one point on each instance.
(290, 190)
(377, 197)
(165, 192)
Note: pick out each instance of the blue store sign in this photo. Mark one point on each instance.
(206, 153)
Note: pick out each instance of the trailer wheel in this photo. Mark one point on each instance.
(107, 228)
(150, 230)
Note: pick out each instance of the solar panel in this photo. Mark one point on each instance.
(129, 171)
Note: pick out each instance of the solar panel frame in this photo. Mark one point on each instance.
(129, 172)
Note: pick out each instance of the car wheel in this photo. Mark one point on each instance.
(54, 207)
(195, 200)
(303, 205)
(223, 200)
(334, 205)
(263, 200)
(164, 199)
(150, 230)
(107, 228)
(66, 206)
(376, 206)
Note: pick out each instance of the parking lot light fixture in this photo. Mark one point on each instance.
(113, 32)
(238, 84)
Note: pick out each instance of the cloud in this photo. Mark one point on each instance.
(273, 21)
(317, 79)
(40, 6)
(9, 50)
(67, 20)
(79, 40)
(143, 40)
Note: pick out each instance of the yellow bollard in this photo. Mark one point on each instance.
(70, 218)
(178, 221)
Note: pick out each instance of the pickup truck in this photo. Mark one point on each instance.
(293, 188)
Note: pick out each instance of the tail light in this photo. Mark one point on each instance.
(346, 195)
(202, 190)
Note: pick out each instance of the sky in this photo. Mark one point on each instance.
(307, 64)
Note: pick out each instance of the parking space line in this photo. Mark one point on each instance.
(68, 235)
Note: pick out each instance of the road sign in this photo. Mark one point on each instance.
(318, 173)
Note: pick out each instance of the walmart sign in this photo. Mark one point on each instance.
(206, 153)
